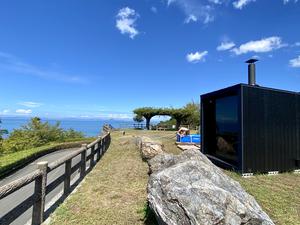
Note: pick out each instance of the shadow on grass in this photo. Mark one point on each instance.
(149, 216)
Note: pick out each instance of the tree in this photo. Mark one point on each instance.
(180, 115)
(194, 110)
(189, 114)
(138, 118)
(147, 113)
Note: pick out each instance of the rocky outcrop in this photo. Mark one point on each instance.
(189, 189)
(149, 148)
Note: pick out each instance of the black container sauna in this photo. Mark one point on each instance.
(251, 129)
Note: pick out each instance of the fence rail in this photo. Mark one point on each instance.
(42, 188)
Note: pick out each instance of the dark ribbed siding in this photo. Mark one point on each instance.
(271, 129)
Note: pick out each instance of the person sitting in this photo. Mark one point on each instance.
(183, 131)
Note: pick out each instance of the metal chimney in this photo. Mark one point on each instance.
(251, 71)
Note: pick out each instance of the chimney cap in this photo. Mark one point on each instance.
(251, 61)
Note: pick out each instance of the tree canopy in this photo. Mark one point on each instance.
(194, 117)
(138, 118)
(147, 113)
(190, 114)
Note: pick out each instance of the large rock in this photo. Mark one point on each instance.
(189, 189)
(149, 148)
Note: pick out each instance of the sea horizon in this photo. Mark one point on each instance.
(90, 127)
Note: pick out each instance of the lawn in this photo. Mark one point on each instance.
(115, 191)
(11, 160)
(278, 195)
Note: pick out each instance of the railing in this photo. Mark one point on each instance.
(41, 188)
(139, 126)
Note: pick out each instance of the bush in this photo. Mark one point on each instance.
(36, 133)
(2, 132)
(169, 123)
(72, 134)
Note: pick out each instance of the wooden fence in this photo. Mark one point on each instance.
(41, 188)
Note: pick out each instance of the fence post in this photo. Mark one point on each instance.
(40, 194)
(99, 148)
(83, 161)
(104, 145)
(92, 163)
(68, 173)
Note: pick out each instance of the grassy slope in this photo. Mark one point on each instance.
(115, 191)
(12, 159)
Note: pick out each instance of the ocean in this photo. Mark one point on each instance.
(90, 127)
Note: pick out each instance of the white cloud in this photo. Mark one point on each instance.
(191, 18)
(259, 46)
(154, 9)
(295, 62)
(171, 1)
(225, 46)
(12, 63)
(117, 116)
(297, 44)
(205, 10)
(196, 57)
(287, 1)
(239, 4)
(85, 116)
(31, 104)
(24, 111)
(126, 22)
(196, 10)
(4, 112)
(216, 1)
(120, 116)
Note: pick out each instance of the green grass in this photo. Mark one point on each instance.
(115, 191)
(278, 195)
(11, 160)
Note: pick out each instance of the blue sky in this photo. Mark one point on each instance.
(79, 58)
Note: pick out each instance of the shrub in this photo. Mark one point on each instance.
(37, 133)
(2, 132)
(72, 134)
